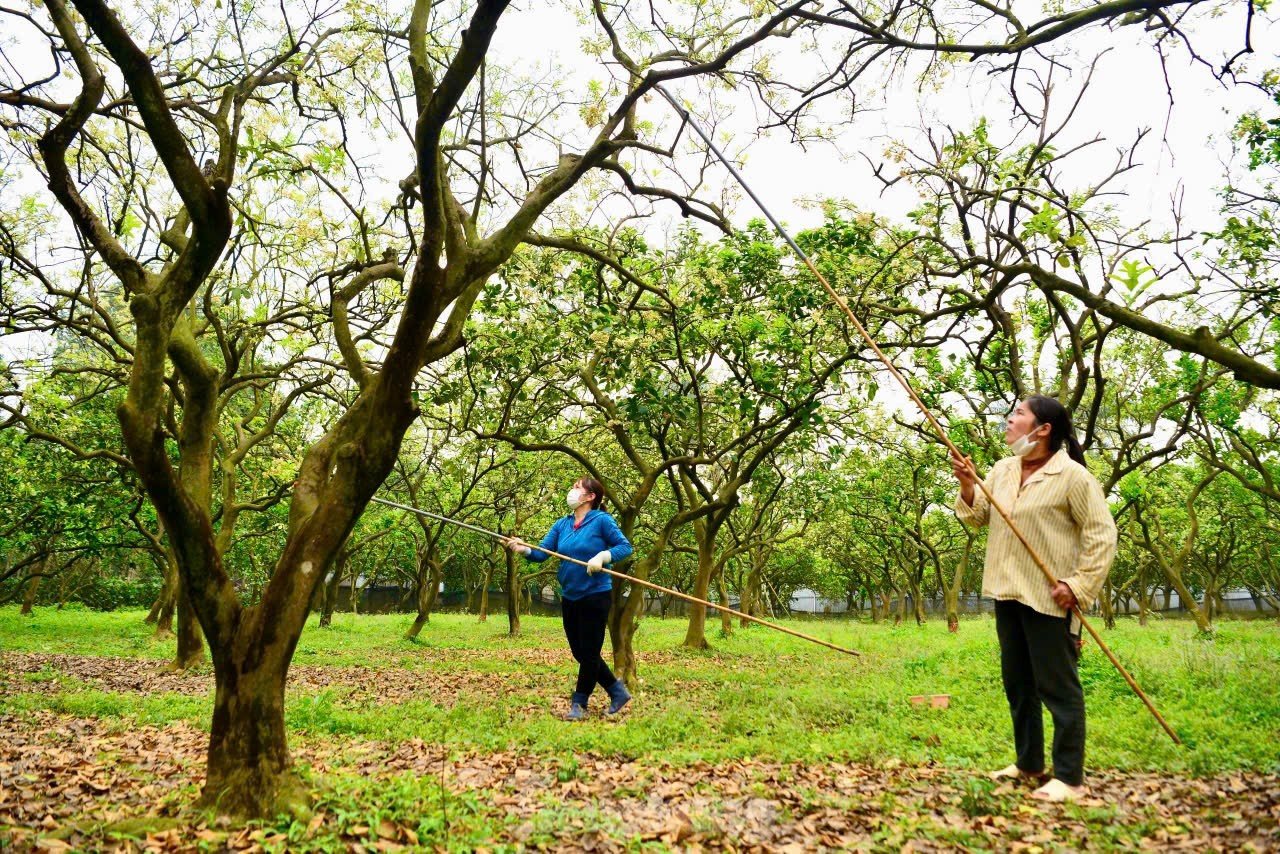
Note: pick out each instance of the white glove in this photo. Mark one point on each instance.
(517, 546)
(597, 563)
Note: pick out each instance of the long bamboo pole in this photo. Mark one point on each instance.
(622, 575)
(906, 386)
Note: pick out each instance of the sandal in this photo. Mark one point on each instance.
(1055, 792)
(1013, 772)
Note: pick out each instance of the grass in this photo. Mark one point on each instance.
(756, 694)
(757, 697)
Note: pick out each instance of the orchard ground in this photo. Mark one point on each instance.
(763, 741)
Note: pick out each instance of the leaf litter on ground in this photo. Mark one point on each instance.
(355, 685)
(87, 783)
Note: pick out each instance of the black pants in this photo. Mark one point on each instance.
(585, 620)
(1039, 660)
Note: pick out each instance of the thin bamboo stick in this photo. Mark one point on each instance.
(625, 577)
(906, 386)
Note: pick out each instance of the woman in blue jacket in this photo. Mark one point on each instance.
(590, 535)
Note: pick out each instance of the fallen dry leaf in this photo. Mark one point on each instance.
(47, 759)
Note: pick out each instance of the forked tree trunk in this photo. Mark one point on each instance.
(430, 573)
(62, 596)
(513, 594)
(696, 635)
(756, 592)
(752, 601)
(952, 593)
(1203, 621)
(722, 590)
(624, 619)
(248, 769)
(190, 650)
(627, 611)
(705, 531)
(164, 622)
(163, 598)
(1104, 602)
(29, 595)
(484, 593)
(629, 599)
(951, 602)
(329, 602)
(917, 601)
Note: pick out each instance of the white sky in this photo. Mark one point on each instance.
(1129, 93)
(1192, 159)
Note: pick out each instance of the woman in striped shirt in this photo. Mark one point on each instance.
(1059, 507)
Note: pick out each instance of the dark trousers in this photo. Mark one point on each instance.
(1039, 660)
(585, 620)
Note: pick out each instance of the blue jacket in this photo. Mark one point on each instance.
(597, 533)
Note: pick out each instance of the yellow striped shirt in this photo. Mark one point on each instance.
(1064, 516)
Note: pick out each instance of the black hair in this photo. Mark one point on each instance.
(1051, 412)
(595, 487)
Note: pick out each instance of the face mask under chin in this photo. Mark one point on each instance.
(1024, 444)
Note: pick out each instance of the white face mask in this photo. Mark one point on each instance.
(1024, 444)
(574, 498)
